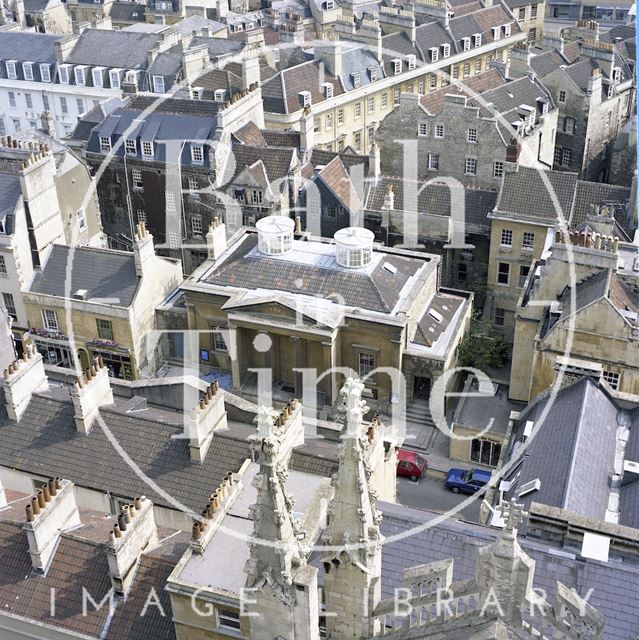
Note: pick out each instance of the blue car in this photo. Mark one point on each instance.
(467, 481)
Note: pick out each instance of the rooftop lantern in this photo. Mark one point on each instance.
(275, 235)
(354, 247)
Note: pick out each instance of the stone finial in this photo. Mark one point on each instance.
(512, 514)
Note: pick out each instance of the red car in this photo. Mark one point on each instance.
(411, 464)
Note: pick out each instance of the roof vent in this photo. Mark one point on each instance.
(275, 235)
(81, 294)
(529, 487)
(354, 247)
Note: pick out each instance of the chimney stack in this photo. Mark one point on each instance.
(216, 239)
(389, 199)
(22, 378)
(91, 391)
(134, 532)
(53, 509)
(143, 249)
(208, 416)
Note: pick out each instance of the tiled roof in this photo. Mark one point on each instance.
(428, 329)
(490, 79)
(278, 161)
(335, 176)
(378, 290)
(590, 194)
(250, 134)
(106, 275)
(46, 442)
(526, 193)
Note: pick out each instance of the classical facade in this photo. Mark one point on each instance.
(283, 300)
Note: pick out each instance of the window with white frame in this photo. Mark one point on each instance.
(503, 273)
(328, 90)
(477, 65)
(219, 95)
(219, 344)
(63, 74)
(3, 266)
(82, 219)
(396, 94)
(328, 121)
(477, 39)
(434, 54)
(562, 96)
(79, 103)
(174, 239)
(470, 166)
(533, 11)
(498, 169)
(528, 240)
(136, 178)
(411, 61)
(356, 79)
(524, 270)
(506, 238)
(499, 316)
(507, 30)
(196, 225)
(114, 78)
(158, 84)
(433, 161)
(10, 305)
(373, 73)
(170, 201)
(366, 364)
(194, 185)
(446, 50)
(384, 101)
(557, 158)
(27, 70)
(397, 66)
(496, 33)
(197, 153)
(105, 143)
(50, 320)
(471, 136)
(566, 157)
(257, 197)
(45, 73)
(466, 43)
(371, 104)
(141, 214)
(422, 129)
(439, 131)
(569, 125)
(340, 116)
(131, 146)
(80, 78)
(12, 73)
(612, 378)
(357, 110)
(421, 87)
(63, 105)
(28, 100)
(96, 74)
(466, 69)
(433, 82)
(147, 148)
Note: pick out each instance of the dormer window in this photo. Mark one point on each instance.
(616, 74)
(131, 147)
(373, 73)
(219, 95)
(12, 74)
(63, 73)
(445, 50)
(97, 77)
(356, 79)
(27, 70)
(197, 93)
(197, 154)
(305, 98)
(330, 4)
(158, 84)
(114, 78)
(466, 44)
(328, 90)
(434, 54)
(611, 91)
(147, 148)
(411, 61)
(496, 33)
(80, 76)
(131, 77)
(507, 30)
(397, 66)
(477, 39)
(45, 73)
(105, 143)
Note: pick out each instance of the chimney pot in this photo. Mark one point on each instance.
(138, 502)
(41, 500)
(35, 505)
(45, 493)
(132, 510)
(197, 532)
(116, 531)
(29, 510)
(126, 513)
(58, 482)
(53, 490)
(122, 522)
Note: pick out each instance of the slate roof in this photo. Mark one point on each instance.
(107, 48)
(581, 419)
(590, 194)
(524, 193)
(418, 541)
(433, 199)
(427, 329)
(103, 274)
(629, 499)
(36, 47)
(127, 12)
(508, 97)
(378, 290)
(10, 192)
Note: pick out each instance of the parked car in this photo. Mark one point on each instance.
(467, 480)
(411, 464)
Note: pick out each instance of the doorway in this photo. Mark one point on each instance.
(421, 388)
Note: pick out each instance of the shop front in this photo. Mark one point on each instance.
(119, 361)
